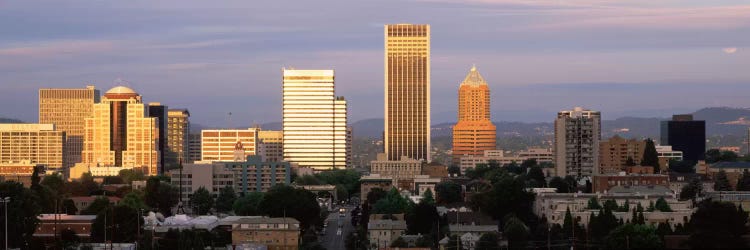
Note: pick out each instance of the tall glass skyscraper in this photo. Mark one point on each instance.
(407, 91)
(314, 120)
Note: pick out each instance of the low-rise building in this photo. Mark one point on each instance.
(733, 170)
(33, 143)
(541, 155)
(252, 175)
(470, 226)
(423, 183)
(275, 233)
(369, 182)
(679, 180)
(406, 168)
(51, 226)
(383, 229)
(435, 170)
(666, 154)
(553, 206)
(20, 172)
(738, 198)
(602, 183)
(499, 156)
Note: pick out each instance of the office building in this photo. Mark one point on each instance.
(314, 120)
(67, 109)
(119, 134)
(686, 135)
(271, 146)
(349, 140)
(474, 133)
(251, 175)
(194, 147)
(266, 233)
(541, 155)
(577, 135)
(666, 154)
(178, 129)
(159, 111)
(407, 91)
(405, 168)
(615, 153)
(32, 144)
(219, 144)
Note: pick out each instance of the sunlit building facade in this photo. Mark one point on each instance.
(577, 136)
(32, 144)
(271, 146)
(220, 144)
(314, 120)
(474, 133)
(407, 91)
(67, 109)
(121, 134)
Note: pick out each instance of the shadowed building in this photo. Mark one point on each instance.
(67, 109)
(474, 133)
(407, 91)
(178, 129)
(159, 111)
(577, 135)
(615, 153)
(686, 135)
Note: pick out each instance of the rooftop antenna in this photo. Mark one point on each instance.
(229, 120)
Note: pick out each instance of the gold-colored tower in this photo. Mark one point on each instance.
(474, 133)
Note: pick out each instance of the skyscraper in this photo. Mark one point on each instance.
(159, 111)
(120, 133)
(178, 129)
(686, 135)
(577, 135)
(407, 91)
(67, 109)
(314, 120)
(474, 133)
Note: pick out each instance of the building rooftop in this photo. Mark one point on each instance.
(121, 90)
(474, 78)
(267, 220)
(469, 218)
(739, 164)
(643, 190)
(48, 217)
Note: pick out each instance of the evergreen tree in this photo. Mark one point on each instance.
(427, 197)
(721, 182)
(662, 205)
(650, 156)
(743, 183)
(692, 189)
(226, 199)
(718, 225)
(202, 201)
(594, 203)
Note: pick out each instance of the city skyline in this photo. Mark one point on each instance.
(175, 54)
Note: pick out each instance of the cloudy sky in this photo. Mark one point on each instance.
(635, 57)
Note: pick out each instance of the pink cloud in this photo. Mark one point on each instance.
(56, 48)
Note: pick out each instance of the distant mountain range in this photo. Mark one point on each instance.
(720, 121)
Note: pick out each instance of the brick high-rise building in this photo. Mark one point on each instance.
(474, 133)
(615, 152)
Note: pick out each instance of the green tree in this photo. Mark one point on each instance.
(600, 225)
(593, 203)
(611, 205)
(202, 201)
(375, 195)
(516, 232)
(633, 236)
(650, 156)
(713, 156)
(23, 210)
(488, 241)
(454, 170)
(399, 243)
(422, 218)
(69, 239)
(448, 192)
(308, 180)
(130, 175)
(729, 156)
(282, 200)
(663, 229)
(718, 225)
(681, 166)
(248, 205)
(393, 203)
(160, 195)
(134, 200)
(69, 207)
(508, 195)
(537, 175)
(98, 205)
(691, 189)
(721, 182)
(743, 183)
(349, 178)
(427, 197)
(529, 163)
(560, 184)
(119, 223)
(662, 205)
(630, 162)
(226, 199)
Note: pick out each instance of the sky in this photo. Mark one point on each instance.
(624, 58)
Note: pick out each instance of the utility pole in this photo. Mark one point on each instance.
(5, 201)
(549, 234)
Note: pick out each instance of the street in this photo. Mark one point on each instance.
(337, 230)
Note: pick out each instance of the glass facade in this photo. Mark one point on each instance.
(219, 145)
(407, 91)
(67, 109)
(314, 120)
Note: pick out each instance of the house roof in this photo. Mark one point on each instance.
(469, 218)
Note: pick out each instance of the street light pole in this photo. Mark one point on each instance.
(5, 205)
